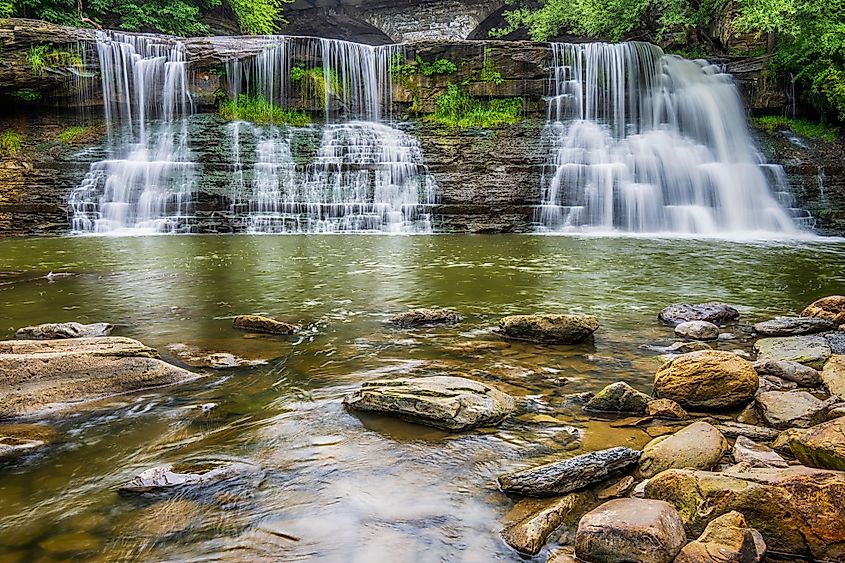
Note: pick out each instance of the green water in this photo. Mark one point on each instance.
(335, 485)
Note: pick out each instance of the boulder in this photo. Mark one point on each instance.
(831, 308)
(833, 376)
(38, 375)
(707, 380)
(425, 317)
(804, 376)
(549, 329)
(686, 347)
(727, 539)
(733, 429)
(449, 403)
(811, 351)
(666, 408)
(177, 478)
(772, 383)
(630, 529)
(821, 446)
(619, 397)
(697, 330)
(698, 446)
(756, 455)
(788, 409)
(836, 341)
(572, 474)
(798, 510)
(265, 325)
(793, 326)
(717, 313)
(51, 331)
(531, 521)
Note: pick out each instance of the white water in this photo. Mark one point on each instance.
(644, 142)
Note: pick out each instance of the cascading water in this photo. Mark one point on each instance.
(644, 142)
(146, 183)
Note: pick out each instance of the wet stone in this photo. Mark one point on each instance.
(549, 329)
(425, 317)
(804, 376)
(717, 313)
(51, 331)
(793, 326)
(265, 325)
(811, 351)
(531, 521)
(167, 478)
(697, 330)
(666, 409)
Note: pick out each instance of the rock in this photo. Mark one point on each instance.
(707, 380)
(549, 329)
(170, 478)
(789, 409)
(831, 308)
(793, 326)
(773, 383)
(37, 375)
(717, 313)
(619, 397)
(449, 403)
(666, 408)
(836, 341)
(13, 446)
(698, 446)
(624, 530)
(821, 446)
(811, 351)
(757, 433)
(169, 517)
(727, 539)
(565, 476)
(425, 317)
(686, 347)
(265, 325)
(52, 331)
(195, 357)
(833, 375)
(697, 330)
(531, 521)
(756, 455)
(618, 489)
(798, 510)
(804, 376)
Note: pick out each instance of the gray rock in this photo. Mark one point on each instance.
(565, 476)
(52, 331)
(757, 433)
(265, 325)
(804, 376)
(836, 341)
(727, 539)
(698, 446)
(717, 313)
(811, 351)
(425, 317)
(793, 326)
(449, 403)
(772, 383)
(551, 329)
(686, 347)
(791, 409)
(619, 397)
(697, 330)
(14, 446)
(757, 455)
(625, 530)
(170, 478)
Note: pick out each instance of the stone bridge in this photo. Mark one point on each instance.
(383, 21)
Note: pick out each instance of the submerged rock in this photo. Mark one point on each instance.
(531, 521)
(37, 375)
(831, 308)
(793, 326)
(195, 357)
(697, 330)
(630, 529)
(423, 317)
(619, 397)
(811, 351)
(717, 313)
(551, 329)
(449, 403)
(805, 376)
(698, 446)
(798, 510)
(707, 380)
(265, 325)
(727, 539)
(821, 446)
(167, 478)
(14, 446)
(756, 455)
(791, 409)
(666, 408)
(565, 476)
(51, 331)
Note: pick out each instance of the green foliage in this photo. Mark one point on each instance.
(489, 72)
(7, 9)
(27, 95)
(10, 142)
(400, 67)
(802, 127)
(314, 82)
(258, 110)
(457, 108)
(42, 57)
(258, 17)
(73, 135)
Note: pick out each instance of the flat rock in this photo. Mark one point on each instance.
(733, 429)
(804, 376)
(449, 403)
(788, 409)
(619, 397)
(531, 521)
(14, 446)
(811, 351)
(821, 446)
(40, 375)
(425, 317)
(707, 380)
(624, 530)
(698, 446)
(686, 347)
(833, 375)
(666, 409)
(265, 325)
(565, 476)
(793, 326)
(717, 313)
(51, 331)
(727, 539)
(697, 330)
(550, 329)
(831, 308)
(798, 510)
(757, 455)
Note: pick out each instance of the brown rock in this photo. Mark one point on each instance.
(707, 380)
(698, 446)
(791, 409)
(821, 446)
(551, 329)
(756, 455)
(727, 539)
(831, 308)
(424, 317)
(833, 375)
(531, 521)
(666, 408)
(266, 325)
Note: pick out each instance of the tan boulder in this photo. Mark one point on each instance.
(707, 380)
(833, 375)
(821, 446)
(698, 446)
(831, 308)
(727, 539)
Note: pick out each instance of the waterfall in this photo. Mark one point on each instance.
(643, 142)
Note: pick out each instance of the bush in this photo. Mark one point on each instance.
(457, 108)
(258, 110)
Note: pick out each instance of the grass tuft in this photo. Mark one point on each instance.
(258, 110)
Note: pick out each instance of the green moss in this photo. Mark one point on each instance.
(314, 81)
(258, 110)
(802, 127)
(10, 142)
(73, 135)
(457, 108)
(42, 57)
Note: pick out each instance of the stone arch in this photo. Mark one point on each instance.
(335, 24)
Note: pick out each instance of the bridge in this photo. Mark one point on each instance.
(380, 22)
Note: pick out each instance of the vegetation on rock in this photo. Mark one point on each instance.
(256, 109)
(315, 82)
(458, 108)
(10, 142)
(802, 127)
